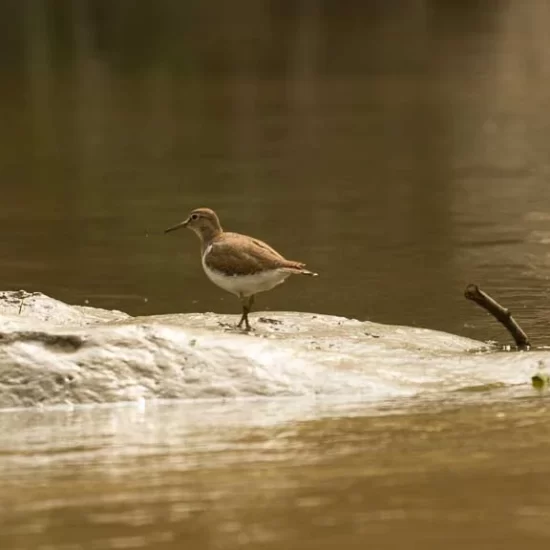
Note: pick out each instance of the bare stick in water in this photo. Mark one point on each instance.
(501, 314)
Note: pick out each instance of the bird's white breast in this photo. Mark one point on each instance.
(244, 285)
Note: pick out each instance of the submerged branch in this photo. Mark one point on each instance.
(501, 314)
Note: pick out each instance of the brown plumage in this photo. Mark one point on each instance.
(238, 263)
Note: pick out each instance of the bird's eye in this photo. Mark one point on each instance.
(195, 217)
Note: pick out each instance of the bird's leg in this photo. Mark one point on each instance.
(247, 302)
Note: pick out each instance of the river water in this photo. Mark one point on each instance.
(450, 473)
(399, 148)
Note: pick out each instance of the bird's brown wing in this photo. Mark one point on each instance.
(236, 254)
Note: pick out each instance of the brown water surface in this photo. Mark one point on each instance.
(278, 474)
(400, 149)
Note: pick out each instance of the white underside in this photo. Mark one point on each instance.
(246, 285)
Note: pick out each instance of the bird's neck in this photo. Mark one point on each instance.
(207, 235)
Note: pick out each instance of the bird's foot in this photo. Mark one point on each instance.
(244, 320)
(246, 327)
(230, 327)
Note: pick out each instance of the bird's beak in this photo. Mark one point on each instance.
(177, 226)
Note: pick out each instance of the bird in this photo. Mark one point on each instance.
(239, 264)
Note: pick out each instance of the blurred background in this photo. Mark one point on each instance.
(399, 148)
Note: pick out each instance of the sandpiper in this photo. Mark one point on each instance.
(238, 263)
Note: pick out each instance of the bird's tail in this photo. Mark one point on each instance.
(308, 273)
(298, 268)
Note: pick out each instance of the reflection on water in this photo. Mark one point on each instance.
(293, 474)
(400, 150)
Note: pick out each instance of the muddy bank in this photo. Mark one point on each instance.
(54, 353)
